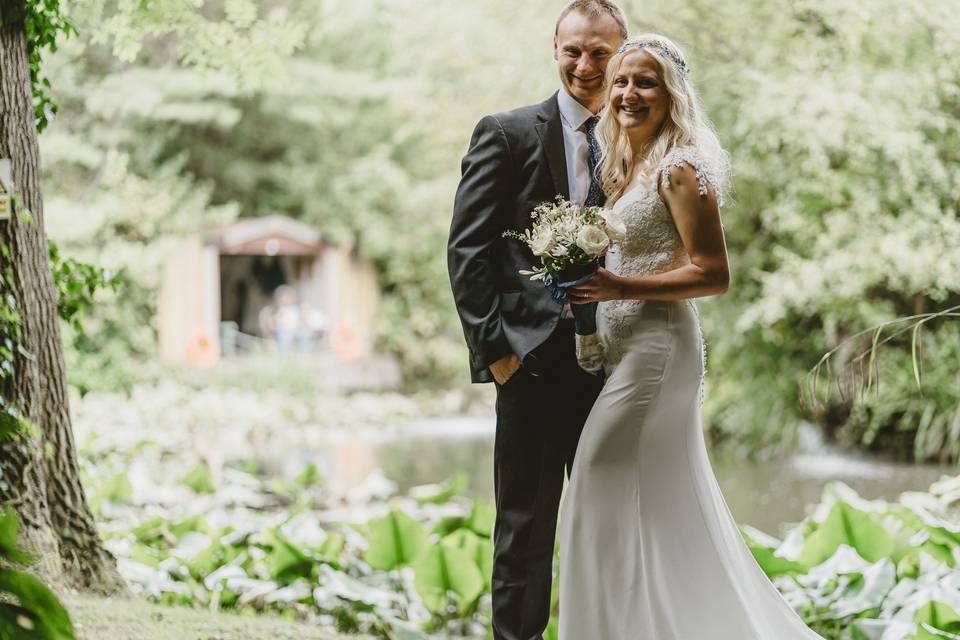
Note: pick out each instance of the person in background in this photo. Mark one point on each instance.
(284, 321)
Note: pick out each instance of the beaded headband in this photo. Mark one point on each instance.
(673, 56)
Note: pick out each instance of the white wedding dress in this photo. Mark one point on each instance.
(648, 548)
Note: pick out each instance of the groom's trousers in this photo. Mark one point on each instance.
(540, 414)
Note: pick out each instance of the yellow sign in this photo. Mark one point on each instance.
(6, 189)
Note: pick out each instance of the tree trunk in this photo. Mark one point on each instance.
(42, 472)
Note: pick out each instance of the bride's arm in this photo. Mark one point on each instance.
(697, 219)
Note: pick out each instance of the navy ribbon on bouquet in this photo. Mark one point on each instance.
(584, 315)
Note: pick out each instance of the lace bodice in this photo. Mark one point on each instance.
(652, 244)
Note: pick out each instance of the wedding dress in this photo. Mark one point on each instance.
(648, 548)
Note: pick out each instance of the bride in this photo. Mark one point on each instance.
(648, 548)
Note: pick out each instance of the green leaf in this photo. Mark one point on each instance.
(871, 365)
(17, 623)
(284, 559)
(483, 515)
(201, 479)
(938, 616)
(914, 349)
(309, 477)
(850, 526)
(438, 494)
(331, 548)
(116, 489)
(865, 591)
(152, 532)
(772, 564)
(462, 539)
(394, 540)
(187, 525)
(216, 555)
(145, 555)
(51, 619)
(939, 552)
(9, 426)
(9, 537)
(442, 570)
(448, 524)
(553, 629)
(941, 538)
(480, 549)
(485, 561)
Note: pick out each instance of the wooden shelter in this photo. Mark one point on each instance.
(217, 290)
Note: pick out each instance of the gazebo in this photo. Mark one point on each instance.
(220, 291)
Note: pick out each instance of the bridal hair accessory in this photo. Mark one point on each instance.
(640, 43)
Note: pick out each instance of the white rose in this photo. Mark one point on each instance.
(542, 242)
(616, 228)
(592, 240)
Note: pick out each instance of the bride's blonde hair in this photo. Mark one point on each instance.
(686, 124)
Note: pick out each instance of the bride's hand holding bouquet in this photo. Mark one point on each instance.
(603, 286)
(569, 239)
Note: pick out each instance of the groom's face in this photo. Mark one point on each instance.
(582, 47)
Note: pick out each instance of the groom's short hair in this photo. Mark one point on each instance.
(595, 9)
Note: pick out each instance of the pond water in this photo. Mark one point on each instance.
(764, 494)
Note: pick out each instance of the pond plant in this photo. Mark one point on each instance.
(854, 569)
(197, 515)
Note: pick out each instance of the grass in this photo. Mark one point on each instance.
(116, 619)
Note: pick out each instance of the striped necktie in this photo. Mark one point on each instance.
(595, 197)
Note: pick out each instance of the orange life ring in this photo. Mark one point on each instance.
(346, 343)
(201, 350)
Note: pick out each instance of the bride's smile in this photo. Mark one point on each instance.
(638, 97)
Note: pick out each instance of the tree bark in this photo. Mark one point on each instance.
(42, 472)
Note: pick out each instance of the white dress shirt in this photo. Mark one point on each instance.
(573, 115)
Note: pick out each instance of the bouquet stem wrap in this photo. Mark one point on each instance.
(584, 315)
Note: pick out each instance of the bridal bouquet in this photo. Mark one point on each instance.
(565, 235)
(569, 240)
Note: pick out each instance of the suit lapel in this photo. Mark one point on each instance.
(550, 130)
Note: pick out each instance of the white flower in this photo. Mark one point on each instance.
(542, 242)
(592, 240)
(616, 228)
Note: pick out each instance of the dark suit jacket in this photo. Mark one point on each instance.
(515, 161)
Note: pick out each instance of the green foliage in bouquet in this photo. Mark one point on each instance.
(565, 234)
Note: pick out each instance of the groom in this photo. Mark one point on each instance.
(517, 335)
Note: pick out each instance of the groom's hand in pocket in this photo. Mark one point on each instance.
(505, 368)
